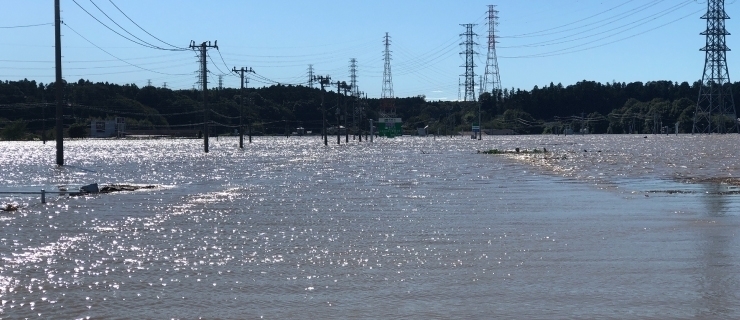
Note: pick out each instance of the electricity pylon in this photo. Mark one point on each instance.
(469, 66)
(491, 77)
(715, 104)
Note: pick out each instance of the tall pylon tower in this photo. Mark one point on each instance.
(469, 53)
(387, 104)
(310, 76)
(355, 94)
(353, 77)
(491, 77)
(715, 107)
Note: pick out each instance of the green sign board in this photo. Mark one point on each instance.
(389, 127)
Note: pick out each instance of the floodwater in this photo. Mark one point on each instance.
(617, 226)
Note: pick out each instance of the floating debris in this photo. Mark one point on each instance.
(516, 151)
(94, 189)
(732, 181)
(90, 188)
(10, 207)
(124, 187)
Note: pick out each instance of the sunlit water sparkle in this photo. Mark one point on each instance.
(620, 226)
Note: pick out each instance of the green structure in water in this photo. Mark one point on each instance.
(389, 127)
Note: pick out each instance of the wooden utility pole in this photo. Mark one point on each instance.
(241, 106)
(339, 95)
(346, 88)
(324, 81)
(59, 85)
(203, 47)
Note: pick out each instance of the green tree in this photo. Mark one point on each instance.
(15, 130)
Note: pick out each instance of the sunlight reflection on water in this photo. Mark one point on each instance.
(601, 226)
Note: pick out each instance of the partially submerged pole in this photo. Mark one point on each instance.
(59, 85)
(371, 130)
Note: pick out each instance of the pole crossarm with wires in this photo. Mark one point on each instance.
(203, 48)
(241, 103)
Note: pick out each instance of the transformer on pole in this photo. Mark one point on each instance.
(715, 107)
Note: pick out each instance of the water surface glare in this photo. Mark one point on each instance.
(618, 226)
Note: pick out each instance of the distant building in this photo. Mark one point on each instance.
(107, 128)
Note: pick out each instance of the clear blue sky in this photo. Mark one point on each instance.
(541, 41)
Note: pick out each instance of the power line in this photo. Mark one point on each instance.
(565, 50)
(144, 44)
(29, 25)
(558, 41)
(131, 34)
(539, 33)
(142, 29)
(119, 59)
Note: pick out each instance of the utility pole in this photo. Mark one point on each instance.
(715, 96)
(480, 125)
(203, 47)
(480, 91)
(358, 110)
(59, 85)
(344, 86)
(241, 107)
(371, 129)
(339, 96)
(323, 81)
(469, 66)
(249, 124)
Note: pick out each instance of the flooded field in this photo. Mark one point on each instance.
(601, 226)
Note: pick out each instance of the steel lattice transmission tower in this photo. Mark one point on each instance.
(310, 76)
(715, 107)
(387, 104)
(492, 78)
(355, 92)
(353, 77)
(469, 66)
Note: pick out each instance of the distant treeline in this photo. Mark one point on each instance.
(27, 108)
